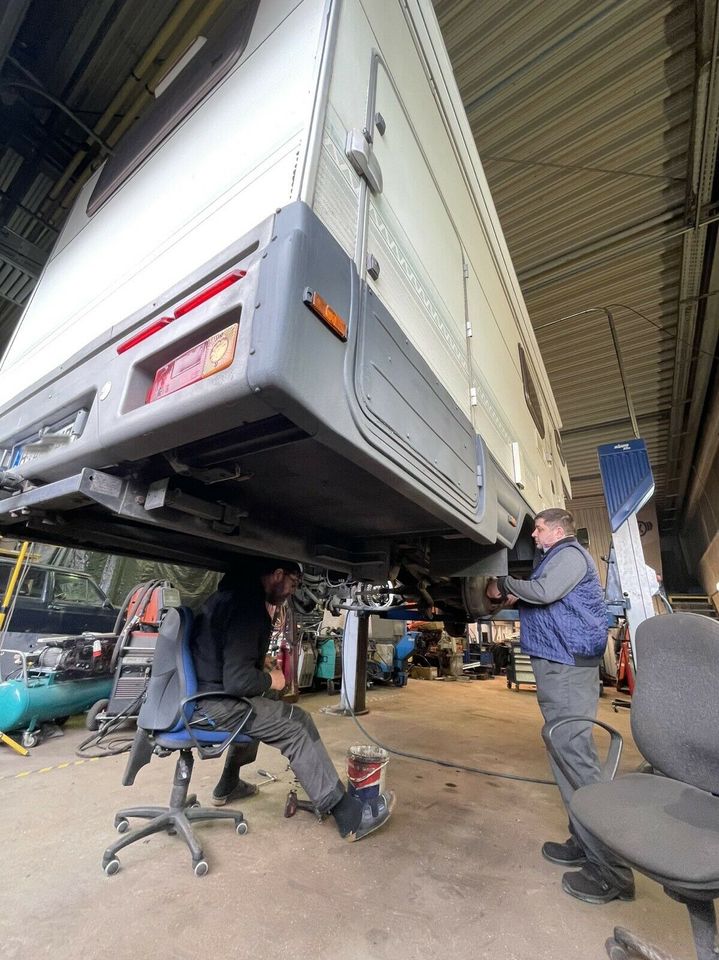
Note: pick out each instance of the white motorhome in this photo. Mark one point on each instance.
(282, 319)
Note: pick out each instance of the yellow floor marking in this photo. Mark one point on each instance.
(59, 766)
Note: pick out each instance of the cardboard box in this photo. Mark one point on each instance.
(423, 673)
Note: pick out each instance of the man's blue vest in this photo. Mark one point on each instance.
(576, 625)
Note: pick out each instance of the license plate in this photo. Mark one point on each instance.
(49, 438)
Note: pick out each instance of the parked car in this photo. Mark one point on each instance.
(50, 601)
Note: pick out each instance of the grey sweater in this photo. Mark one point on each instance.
(560, 575)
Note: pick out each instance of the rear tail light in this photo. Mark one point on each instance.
(214, 354)
(202, 297)
(154, 327)
(209, 292)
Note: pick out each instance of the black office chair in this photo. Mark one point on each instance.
(666, 824)
(166, 724)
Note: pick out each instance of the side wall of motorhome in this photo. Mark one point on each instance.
(430, 235)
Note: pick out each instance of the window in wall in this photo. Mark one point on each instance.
(530, 392)
(212, 61)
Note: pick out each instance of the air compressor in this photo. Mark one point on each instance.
(63, 677)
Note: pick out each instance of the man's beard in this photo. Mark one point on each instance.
(276, 597)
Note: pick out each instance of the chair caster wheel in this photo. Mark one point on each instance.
(122, 825)
(111, 867)
(200, 868)
(30, 739)
(615, 951)
(241, 827)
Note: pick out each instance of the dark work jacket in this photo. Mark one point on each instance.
(572, 629)
(230, 638)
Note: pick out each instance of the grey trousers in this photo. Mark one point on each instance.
(290, 729)
(564, 691)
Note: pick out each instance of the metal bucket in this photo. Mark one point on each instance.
(365, 771)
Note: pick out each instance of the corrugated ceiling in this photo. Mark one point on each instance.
(583, 115)
(589, 119)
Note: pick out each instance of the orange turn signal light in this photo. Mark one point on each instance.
(319, 306)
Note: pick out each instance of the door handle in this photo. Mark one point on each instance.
(360, 155)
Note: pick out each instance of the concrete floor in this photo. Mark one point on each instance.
(456, 873)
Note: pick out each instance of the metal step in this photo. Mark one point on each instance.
(693, 603)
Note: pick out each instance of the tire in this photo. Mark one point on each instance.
(111, 867)
(475, 603)
(241, 828)
(201, 868)
(30, 739)
(91, 719)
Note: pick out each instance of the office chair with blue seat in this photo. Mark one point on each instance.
(165, 725)
(666, 824)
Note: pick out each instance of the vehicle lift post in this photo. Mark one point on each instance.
(628, 484)
(355, 642)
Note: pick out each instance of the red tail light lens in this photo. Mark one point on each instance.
(144, 334)
(202, 297)
(209, 292)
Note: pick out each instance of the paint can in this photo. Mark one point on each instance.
(365, 771)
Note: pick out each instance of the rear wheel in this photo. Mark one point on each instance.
(92, 721)
(474, 599)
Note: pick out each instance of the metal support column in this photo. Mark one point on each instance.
(632, 571)
(354, 666)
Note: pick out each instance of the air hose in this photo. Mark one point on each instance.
(436, 760)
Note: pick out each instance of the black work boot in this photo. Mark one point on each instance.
(567, 854)
(591, 886)
(241, 791)
(374, 814)
(356, 819)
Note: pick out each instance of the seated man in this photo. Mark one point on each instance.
(229, 644)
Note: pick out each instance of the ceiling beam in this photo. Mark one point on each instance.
(12, 14)
(21, 253)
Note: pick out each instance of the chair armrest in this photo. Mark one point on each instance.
(204, 750)
(611, 763)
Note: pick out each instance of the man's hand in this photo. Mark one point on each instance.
(492, 591)
(278, 680)
(270, 663)
(511, 600)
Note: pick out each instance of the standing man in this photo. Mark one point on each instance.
(563, 628)
(229, 645)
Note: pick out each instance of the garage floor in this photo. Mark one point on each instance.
(457, 872)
